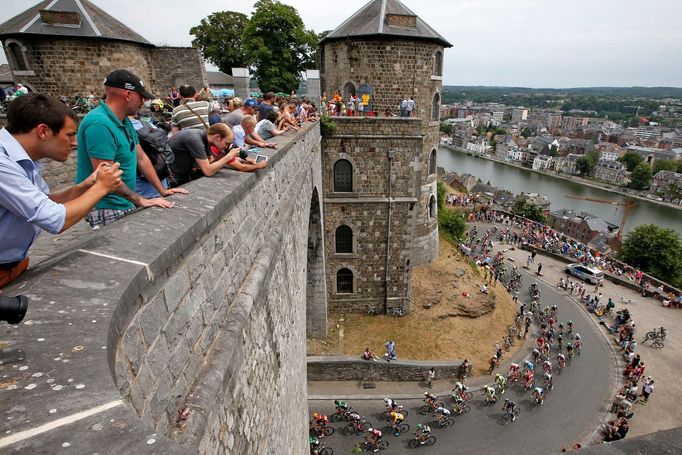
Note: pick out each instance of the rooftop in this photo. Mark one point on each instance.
(77, 18)
(386, 18)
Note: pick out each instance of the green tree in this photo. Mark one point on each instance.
(452, 224)
(526, 133)
(665, 165)
(441, 193)
(219, 36)
(533, 212)
(640, 179)
(554, 151)
(631, 160)
(655, 250)
(278, 46)
(584, 165)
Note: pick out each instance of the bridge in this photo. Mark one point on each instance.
(174, 331)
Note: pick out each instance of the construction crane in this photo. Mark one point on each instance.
(626, 209)
(636, 107)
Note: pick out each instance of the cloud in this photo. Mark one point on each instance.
(535, 43)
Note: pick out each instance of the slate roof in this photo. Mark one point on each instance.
(94, 23)
(219, 78)
(370, 20)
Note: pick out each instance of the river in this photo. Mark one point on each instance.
(519, 180)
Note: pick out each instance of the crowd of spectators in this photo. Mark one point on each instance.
(134, 150)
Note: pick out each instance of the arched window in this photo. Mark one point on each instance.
(438, 64)
(432, 207)
(344, 281)
(17, 54)
(432, 162)
(344, 239)
(435, 107)
(343, 176)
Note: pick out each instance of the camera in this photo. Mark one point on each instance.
(13, 309)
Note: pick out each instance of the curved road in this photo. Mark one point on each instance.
(570, 413)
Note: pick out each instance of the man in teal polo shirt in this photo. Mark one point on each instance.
(106, 135)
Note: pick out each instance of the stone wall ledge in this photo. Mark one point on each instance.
(58, 386)
(342, 368)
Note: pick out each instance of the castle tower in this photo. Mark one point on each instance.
(380, 169)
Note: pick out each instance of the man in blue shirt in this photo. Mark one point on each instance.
(40, 127)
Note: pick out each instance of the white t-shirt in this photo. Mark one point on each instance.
(239, 136)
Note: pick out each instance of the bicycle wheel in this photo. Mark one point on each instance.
(448, 422)
(327, 451)
(424, 409)
(516, 411)
(466, 408)
(328, 431)
(650, 336)
(657, 344)
(336, 417)
(349, 430)
(467, 396)
(414, 443)
(403, 428)
(506, 418)
(383, 445)
(431, 440)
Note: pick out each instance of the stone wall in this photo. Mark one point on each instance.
(352, 369)
(69, 66)
(176, 66)
(200, 307)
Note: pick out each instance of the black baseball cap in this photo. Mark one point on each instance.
(127, 80)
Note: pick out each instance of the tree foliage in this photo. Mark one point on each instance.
(452, 224)
(274, 43)
(278, 46)
(631, 160)
(441, 193)
(665, 165)
(640, 179)
(219, 36)
(533, 212)
(655, 250)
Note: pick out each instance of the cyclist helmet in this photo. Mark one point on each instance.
(506, 400)
(426, 394)
(336, 402)
(370, 429)
(554, 307)
(419, 426)
(577, 336)
(569, 346)
(561, 325)
(570, 322)
(315, 415)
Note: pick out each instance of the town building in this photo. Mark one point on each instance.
(569, 164)
(67, 47)
(519, 115)
(572, 123)
(611, 171)
(379, 172)
(668, 186)
(218, 80)
(478, 146)
(582, 226)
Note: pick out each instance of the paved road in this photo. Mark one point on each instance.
(571, 412)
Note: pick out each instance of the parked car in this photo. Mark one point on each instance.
(585, 272)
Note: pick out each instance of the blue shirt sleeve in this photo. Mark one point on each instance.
(26, 201)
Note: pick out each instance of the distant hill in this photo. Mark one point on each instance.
(629, 92)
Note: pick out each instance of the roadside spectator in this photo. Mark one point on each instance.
(214, 116)
(193, 147)
(369, 355)
(266, 128)
(390, 351)
(40, 127)
(204, 94)
(463, 370)
(190, 113)
(410, 107)
(266, 105)
(175, 97)
(106, 135)
(647, 388)
(431, 377)
(250, 107)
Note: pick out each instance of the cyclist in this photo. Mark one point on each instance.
(549, 381)
(509, 407)
(561, 328)
(396, 419)
(341, 405)
(547, 366)
(430, 400)
(422, 433)
(391, 405)
(529, 379)
(536, 355)
(539, 395)
(314, 445)
(553, 311)
(319, 422)
(569, 350)
(374, 438)
(514, 372)
(610, 305)
(569, 326)
(560, 340)
(561, 360)
(546, 350)
(489, 393)
(441, 414)
(501, 382)
(577, 342)
(540, 343)
(528, 365)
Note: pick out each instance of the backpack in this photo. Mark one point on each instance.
(155, 143)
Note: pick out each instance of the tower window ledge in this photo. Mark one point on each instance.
(24, 73)
(436, 78)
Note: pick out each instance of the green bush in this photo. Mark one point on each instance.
(327, 125)
(452, 224)
(442, 193)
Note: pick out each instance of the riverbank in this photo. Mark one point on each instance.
(573, 179)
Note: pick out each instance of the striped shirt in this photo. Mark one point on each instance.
(184, 118)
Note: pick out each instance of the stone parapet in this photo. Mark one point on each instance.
(200, 308)
(355, 369)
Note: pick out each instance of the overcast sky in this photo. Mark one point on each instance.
(528, 43)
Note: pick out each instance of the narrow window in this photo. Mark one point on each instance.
(435, 107)
(343, 177)
(344, 239)
(432, 163)
(18, 57)
(344, 281)
(432, 207)
(438, 64)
